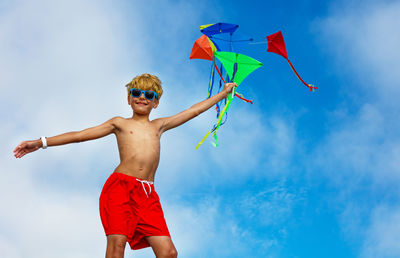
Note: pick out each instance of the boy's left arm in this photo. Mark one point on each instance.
(196, 109)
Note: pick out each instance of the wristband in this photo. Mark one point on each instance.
(44, 142)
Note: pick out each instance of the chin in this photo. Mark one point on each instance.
(141, 112)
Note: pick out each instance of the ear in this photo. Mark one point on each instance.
(155, 105)
(129, 101)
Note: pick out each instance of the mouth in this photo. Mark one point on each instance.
(141, 103)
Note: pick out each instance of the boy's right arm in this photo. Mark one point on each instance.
(92, 133)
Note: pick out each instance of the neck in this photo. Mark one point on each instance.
(140, 118)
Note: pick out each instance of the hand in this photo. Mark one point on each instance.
(228, 87)
(26, 147)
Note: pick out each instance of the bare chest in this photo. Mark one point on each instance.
(134, 138)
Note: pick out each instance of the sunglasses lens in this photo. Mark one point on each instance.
(149, 95)
(135, 92)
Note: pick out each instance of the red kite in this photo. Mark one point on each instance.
(276, 44)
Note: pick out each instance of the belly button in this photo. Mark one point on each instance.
(131, 132)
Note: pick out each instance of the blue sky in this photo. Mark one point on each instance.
(297, 174)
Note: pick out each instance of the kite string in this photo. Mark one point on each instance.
(258, 43)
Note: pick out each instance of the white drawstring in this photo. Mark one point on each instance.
(144, 188)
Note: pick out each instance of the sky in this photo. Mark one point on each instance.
(297, 174)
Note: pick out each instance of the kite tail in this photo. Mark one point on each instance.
(310, 86)
(220, 75)
(237, 94)
(226, 107)
(216, 140)
(219, 123)
(210, 86)
(221, 115)
(240, 96)
(202, 140)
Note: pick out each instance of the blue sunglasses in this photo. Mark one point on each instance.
(148, 94)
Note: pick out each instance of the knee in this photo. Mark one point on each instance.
(169, 253)
(173, 253)
(119, 245)
(116, 248)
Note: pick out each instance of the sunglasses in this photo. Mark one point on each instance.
(148, 94)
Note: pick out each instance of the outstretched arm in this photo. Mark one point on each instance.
(195, 110)
(92, 133)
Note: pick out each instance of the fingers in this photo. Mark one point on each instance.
(18, 147)
(231, 83)
(19, 155)
(23, 152)
(22, 149)
(19, 152)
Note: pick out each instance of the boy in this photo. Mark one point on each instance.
(130, 209)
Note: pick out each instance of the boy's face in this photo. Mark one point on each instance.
(142, 106)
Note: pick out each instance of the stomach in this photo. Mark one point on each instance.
(140, 168)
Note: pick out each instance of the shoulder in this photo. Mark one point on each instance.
(116, 121)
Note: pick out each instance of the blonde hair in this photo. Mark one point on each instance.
(146, 82)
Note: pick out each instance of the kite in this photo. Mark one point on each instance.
(217, 28)
(206, 48)
(203, 48)
(216, 45)
(238, 67)
(276, 44)
(224, 36)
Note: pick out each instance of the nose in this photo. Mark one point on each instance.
(142, 96)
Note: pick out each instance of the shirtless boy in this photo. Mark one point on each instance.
(130, 208)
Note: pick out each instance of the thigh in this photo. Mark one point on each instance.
(161, 245)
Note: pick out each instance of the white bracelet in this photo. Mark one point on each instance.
(44, 142)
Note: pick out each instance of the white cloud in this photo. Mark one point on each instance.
(360, 153)
(363, 137)
(363, 147)
(63, 68)
(273, 206)
(364, 38)
(383, 235)
(209, 229)
(43, 223)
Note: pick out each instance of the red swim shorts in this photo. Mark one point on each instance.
(131, 207)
